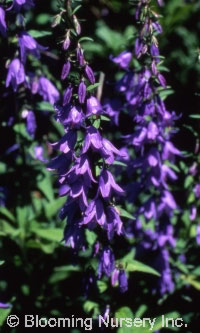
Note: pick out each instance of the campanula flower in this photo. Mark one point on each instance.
(16, 74)
(3, 26)
(29, 45)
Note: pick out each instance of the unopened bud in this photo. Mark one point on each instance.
(76, 25)
(66, 42)
(56, 21)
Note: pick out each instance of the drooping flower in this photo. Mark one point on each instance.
(18, 4)
(31, 124)
(82, 92)
(48, 91)
(3, 26)
(16, 74)
(29, 45)
(123, 59)
(123, 281)
(89, 73)
(107, 262)
(5, 306)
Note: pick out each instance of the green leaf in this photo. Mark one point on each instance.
(3, 315)
(119, 163)
(21, 130)
(102, 286)
(89, 306)
(93, 86)
(54, 235)
(137, 266)
(52, 208)
(1, 262)
(90, 236)
(105, 118)
(45, 185)
(97, 123)
(67, 268)
(39, 34)
(45, 106)
(76, 9)
(124, 213)
(124, 312)
(195, 116)
(82, 39)
(43, 18)
(4, 211)
(132, 265)
(188, 181)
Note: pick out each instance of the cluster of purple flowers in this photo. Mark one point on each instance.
(152, 168)
(17, 75)
(83, 164)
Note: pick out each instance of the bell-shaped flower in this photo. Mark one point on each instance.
(67, 95)
(5, 306)
(18, 4)
(107, 184)
(170, 150)
(152, 131)
(16, 74)
(3, 26)
(65, 70)
(81, 92)
(108, 150)
(67, 142)
(93, 106)
(95, 213)
(47, 90)
(114, 223)
(123, 281)
(29, 45)
(89, 73)
(107, 262)
(93, 138)
(123, 59)
(31, 124)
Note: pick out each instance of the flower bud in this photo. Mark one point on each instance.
(90, 74)
(76, 25)
(80, 56)
(67, 95)
(82, 92)
(65, 70)
(66, 43)
(56, 21)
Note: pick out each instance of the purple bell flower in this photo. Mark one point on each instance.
(123, 281)
(16, 74)
(48, 91)
(5, 306)
(123, 59)
(198, 235)
(65, 70)
(107, 262)
(67, 95)
(3, 26)
(89, 73)
(81, 92)
(29, 45)
(18, 4)
(93, 106)
(31, 124)
(39, 154)
(108, 184)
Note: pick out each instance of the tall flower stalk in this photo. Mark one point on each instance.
(154, 153)
(83, 164)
